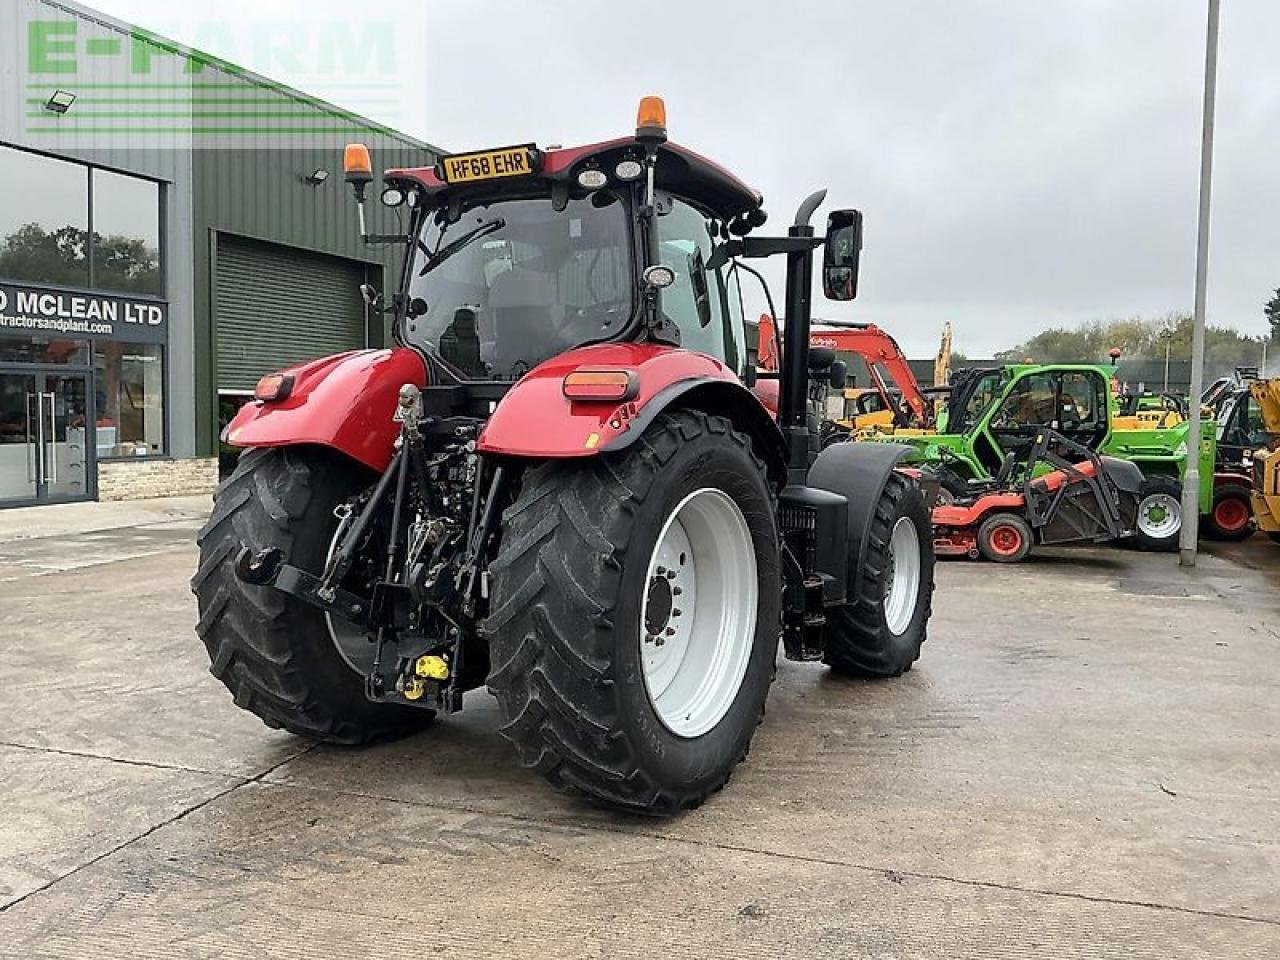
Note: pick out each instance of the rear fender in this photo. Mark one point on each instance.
(345, 402)
(536, 421)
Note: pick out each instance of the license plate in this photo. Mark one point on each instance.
(488, 164)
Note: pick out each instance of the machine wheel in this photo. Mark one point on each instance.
(878, 633)
(1232, 516)
(1005, 538)
(636, 614)
(1159, 515)
(276, 654)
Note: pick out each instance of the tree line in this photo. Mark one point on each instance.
(1147, 338)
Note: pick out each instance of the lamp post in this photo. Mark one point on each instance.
(1191, 482)
(1167, 336)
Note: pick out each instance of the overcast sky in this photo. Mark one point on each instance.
(1021, 163)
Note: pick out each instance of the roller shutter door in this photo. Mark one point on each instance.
(275, 306)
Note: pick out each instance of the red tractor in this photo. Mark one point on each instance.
(565, 482)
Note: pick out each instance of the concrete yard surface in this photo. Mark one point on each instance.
(1084, 763)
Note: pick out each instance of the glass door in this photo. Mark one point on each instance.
(18, 415)
(64, 466)
(44, 423)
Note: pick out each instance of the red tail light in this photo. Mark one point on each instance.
(612, 385)
(274, 386)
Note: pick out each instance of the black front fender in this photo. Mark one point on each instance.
(857, 471)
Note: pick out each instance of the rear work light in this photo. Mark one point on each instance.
(274, 386)
(613, 385)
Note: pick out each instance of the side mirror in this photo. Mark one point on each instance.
(838, 375)
(840, 254)
(820, 358)
(370, 295)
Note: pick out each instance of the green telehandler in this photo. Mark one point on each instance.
(991, 411)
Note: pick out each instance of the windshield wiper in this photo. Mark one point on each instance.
(453, 247)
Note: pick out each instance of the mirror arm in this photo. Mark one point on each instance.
(754, 248)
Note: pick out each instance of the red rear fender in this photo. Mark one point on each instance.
(344, 401)
(535, 419)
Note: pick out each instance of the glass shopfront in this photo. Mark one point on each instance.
(83, 325)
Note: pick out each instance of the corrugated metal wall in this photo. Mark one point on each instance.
(265, 296)
(233, 147)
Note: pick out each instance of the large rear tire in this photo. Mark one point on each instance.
(879, 632)
(274, 653)
(593, 572)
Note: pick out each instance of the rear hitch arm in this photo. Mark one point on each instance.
(266, 568)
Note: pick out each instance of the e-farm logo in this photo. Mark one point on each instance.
(84, 78)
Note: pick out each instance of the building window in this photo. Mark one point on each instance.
(50, 235)
(129, 381)
(126, 233)
(43, 350)
(44, 219)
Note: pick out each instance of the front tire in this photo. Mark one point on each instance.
(274, 653)
(581, 594)
(879, 631)
(1159, 516)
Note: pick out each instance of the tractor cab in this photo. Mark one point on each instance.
(519, 254)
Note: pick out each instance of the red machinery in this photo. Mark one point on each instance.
(877, 348)
(565, 483)
(1084, 496)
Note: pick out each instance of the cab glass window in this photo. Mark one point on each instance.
(695, 303)
(1031, 401)
(984, 394)
(1083, 400)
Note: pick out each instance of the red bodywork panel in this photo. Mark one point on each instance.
(766, 392)
(535, 419)
(344, 401)
(956, 543)
(678, 169)
(961, 515)
(1051, 481)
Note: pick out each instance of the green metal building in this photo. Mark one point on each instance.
(178, 229)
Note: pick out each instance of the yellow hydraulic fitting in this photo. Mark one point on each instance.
(432, 667)
(414, 689)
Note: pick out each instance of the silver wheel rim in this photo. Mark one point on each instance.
(352, 642)
(1159, 516)
(698, 613)
(904, 576)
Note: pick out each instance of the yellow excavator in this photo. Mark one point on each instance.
(1266, 462)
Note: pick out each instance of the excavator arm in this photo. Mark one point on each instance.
(878, 349)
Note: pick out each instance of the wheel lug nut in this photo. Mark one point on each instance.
(670, 631)
(676, 611)
(661, 571)
(671, 574)
(676, 591)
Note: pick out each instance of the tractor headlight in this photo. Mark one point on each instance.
(628, 170)
(591, 179)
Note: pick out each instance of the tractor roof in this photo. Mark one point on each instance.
(679, 170)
